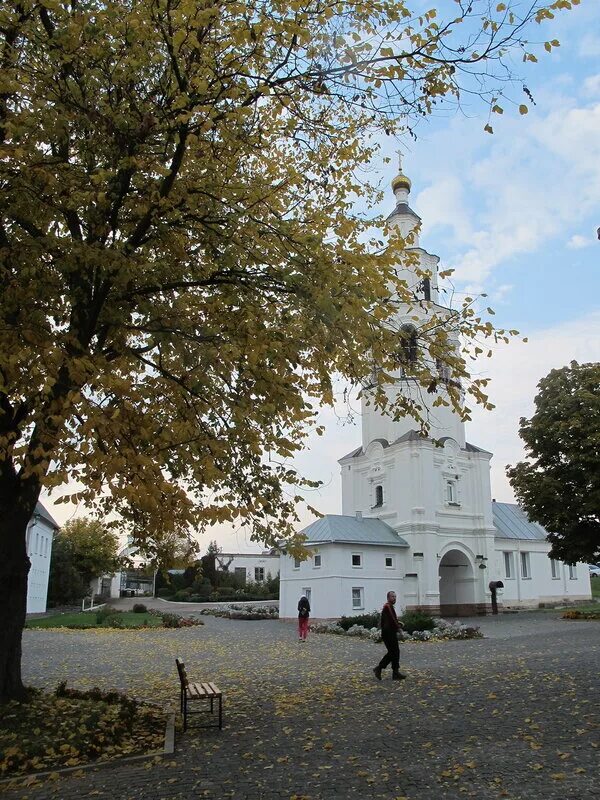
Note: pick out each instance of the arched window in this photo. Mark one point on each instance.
(378, 496)
(408, 352)
(426, 288)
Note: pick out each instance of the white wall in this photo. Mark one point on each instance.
(331, 584)
(541, 586)
(39, 549)
(250, 562)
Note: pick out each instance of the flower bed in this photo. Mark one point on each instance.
(70, 728)
(237, 611)
(575, 613)
(442, 630)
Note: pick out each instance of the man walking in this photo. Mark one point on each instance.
(390, 625)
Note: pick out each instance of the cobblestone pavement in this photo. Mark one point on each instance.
(513, 716)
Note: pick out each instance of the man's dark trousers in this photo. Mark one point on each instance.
(390, 640)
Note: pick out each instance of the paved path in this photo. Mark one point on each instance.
(511, 716)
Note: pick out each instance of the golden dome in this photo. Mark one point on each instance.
(401, 182)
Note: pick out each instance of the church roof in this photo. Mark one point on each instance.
(402, 209)
(511, 522)
(352, 530)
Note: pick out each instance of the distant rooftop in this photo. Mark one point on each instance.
(40, 509)
(354, 530)
(512, 523)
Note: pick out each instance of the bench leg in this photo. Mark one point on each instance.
(185, 712)
(220, 713)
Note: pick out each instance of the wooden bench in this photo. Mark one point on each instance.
(207, 692)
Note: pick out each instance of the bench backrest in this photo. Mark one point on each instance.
(182, 673)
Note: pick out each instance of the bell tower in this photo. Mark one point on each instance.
(444, 422)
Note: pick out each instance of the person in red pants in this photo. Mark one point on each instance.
(390, 625)
(303, 617)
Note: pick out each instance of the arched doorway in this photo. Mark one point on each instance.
(457, 585)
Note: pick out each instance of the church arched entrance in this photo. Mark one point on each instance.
(457, 585)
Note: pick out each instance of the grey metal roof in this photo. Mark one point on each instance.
(42, 511)
(338, 528)
(403, 208)
(511, 522)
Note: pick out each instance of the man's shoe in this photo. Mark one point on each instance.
(398, 676)
(377, 672)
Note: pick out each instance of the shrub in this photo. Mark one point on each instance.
(165, 592)
(370, 620)
(140, 608)
(104, 613)
(183, 594)
(417, 621)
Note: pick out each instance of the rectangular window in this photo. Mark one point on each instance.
(572, 572)
(296, 563)
(525, 566)
(389, 562)
(555, 568)
(37, 543)
(356, 560)
(259, 574)
(306, 592)
(240, 574)
(357, 597)
(317, 560)
(508, 565)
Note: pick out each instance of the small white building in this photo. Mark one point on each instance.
(417, 513)
(40, 535)
(249, 567)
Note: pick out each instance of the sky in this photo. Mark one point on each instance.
(515, 215)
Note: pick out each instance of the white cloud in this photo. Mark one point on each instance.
(590, 46)
(537, 179)
(577, 242)
(591, 85)
(515, 371)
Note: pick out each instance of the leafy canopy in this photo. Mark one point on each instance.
(559, 486)
(182, 269)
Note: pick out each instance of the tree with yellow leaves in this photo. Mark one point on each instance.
(181, 268)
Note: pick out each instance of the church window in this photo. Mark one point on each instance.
(358, 597)
(426, 288)
(356, 560)
(306, 592)
(317, 560)
(572, 572)
(408, 351)
(451, 493)
(525, 566)
(259, 574)
(296, 563)
(555, 568)
(378, 496)
(508, 565)
(389, 562)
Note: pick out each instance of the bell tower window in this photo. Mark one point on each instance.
(378, 496)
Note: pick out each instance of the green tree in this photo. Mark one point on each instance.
(84, 549)
(181, 269)
(559, 486)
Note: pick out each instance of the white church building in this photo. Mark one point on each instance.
(41, 530)
(417, 514)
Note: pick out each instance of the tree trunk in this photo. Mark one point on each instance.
(15, 513)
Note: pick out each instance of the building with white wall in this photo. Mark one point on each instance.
(40, 536)
(445, 537)
(249, 567)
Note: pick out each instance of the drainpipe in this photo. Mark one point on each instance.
(518, 572)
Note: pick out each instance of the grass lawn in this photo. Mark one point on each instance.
(595, 587)
(87, 619)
